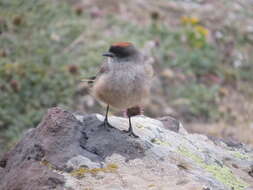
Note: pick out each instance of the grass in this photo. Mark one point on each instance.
(33, 71)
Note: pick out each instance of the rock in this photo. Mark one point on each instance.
(81, 161)
(70, 151)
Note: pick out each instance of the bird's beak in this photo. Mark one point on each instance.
(108, 54)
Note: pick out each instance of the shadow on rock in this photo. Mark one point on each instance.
(103, 143)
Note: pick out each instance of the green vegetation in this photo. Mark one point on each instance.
(46, 47)
(34, 69)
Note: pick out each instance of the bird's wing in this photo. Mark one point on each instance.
(103, 69)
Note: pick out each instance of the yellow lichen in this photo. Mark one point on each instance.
(221, 173)
(112, 167)
(47, 163)
(151, 185)
(80, 172)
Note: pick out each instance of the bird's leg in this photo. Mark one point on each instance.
(130, 129)
(106, 124)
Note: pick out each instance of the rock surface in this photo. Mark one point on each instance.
(70, 151)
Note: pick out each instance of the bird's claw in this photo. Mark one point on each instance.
(106, 125)
(130, 133)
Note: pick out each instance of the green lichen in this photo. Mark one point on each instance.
(140, 126)
(221, 173)
(160, 142)
(240, 155)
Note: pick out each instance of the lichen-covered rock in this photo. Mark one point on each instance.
(70, 151)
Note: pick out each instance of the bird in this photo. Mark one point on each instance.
(123, 81)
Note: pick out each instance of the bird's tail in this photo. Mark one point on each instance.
(89, 80)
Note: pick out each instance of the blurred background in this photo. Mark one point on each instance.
(202, 52)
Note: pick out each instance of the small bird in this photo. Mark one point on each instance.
(123, 81)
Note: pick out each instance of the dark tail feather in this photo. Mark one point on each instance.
(89, 80)
(134, 111)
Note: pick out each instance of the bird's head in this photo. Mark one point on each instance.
(121, 50)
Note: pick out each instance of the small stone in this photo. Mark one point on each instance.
(80, 161)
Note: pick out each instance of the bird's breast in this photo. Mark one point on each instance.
(122, 89)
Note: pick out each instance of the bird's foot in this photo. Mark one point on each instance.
(106, 125)
(130, 133)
